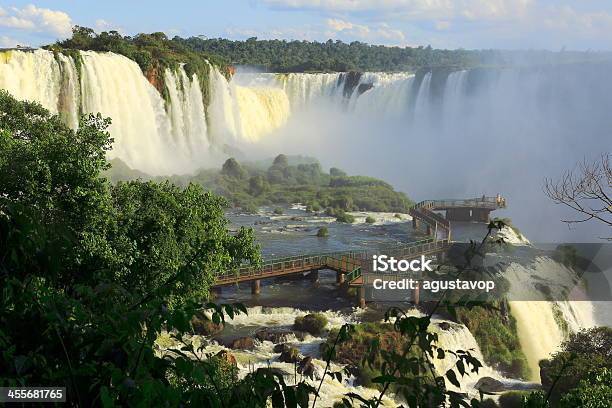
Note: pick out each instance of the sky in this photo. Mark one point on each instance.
(470, 24)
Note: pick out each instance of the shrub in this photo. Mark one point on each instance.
(341, 216)
(278, 211)
(589, 349)
(323, 232)
(512, 399)
(398, 216)
(497, 337)
(595, 391)
(370, 220)
(313, 323)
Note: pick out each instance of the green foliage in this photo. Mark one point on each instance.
(512, 399)
(161, 235)
(278, 211)
(93, 274)
(594, 391)
(341, 216)
(336, 172)
(231, 168)
(249, 186)
(370, 220)
(323, 232)
(307, 56)
(313, 323)
(583, 352)
(497, 337)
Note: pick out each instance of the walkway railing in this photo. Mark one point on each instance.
(347, 262)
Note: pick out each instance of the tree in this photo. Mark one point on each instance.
(91, 274)
(231, 168)
(583, 352)
(258, 185)
(595, 391)
(336, 172)
(587, 190)
(280, 161)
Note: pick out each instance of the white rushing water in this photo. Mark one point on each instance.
(263, 355)
(542, 325)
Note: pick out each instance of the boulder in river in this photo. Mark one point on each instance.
(243, 343)
(444, 325)
(275, 336)
(312, 323)
(204, 326)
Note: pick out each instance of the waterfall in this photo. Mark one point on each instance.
(452, 99)
(263, 355)
(542, 323)
(186, 108)
(458, 337)
(422, 102)
(148, 134)
(303, 89)
(261, 110)
(38, 76)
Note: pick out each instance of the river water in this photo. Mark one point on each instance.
(283, 299)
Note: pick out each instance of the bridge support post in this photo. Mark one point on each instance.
(441, 256)
(339, 278)
(314, 276)
(415, 223)
(428, 229)
(361, 295)
(416, 295)
(256, 287)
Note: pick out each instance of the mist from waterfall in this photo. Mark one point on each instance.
(433, 134)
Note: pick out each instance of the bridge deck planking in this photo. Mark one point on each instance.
(351, 263)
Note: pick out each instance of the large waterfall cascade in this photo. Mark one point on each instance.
(176, 136)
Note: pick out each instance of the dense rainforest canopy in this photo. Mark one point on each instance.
(338, 56)
(155, 50)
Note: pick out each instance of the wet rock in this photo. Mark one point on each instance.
(313, 323)
(275, 336)
(227, 356)
(243, 343)
(444, 325)
(290, 355)
(490, 385)
(204, 327)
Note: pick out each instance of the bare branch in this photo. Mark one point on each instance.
(576, 189)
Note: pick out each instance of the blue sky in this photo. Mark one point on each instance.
(506, 24)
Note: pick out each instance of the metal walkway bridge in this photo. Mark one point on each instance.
(350, 265)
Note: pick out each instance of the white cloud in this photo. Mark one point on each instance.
(36, 19)
(381, 32)
(8, 42)
(566, 18)
(509, 23)
(442, 25)
(105, 25)
(415, 9)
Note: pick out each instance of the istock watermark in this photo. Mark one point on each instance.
(384, 263)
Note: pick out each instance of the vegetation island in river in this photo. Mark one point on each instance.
(285, 180)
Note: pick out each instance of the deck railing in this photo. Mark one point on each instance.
(347, 262)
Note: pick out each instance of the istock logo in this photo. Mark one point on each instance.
(383, 263)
